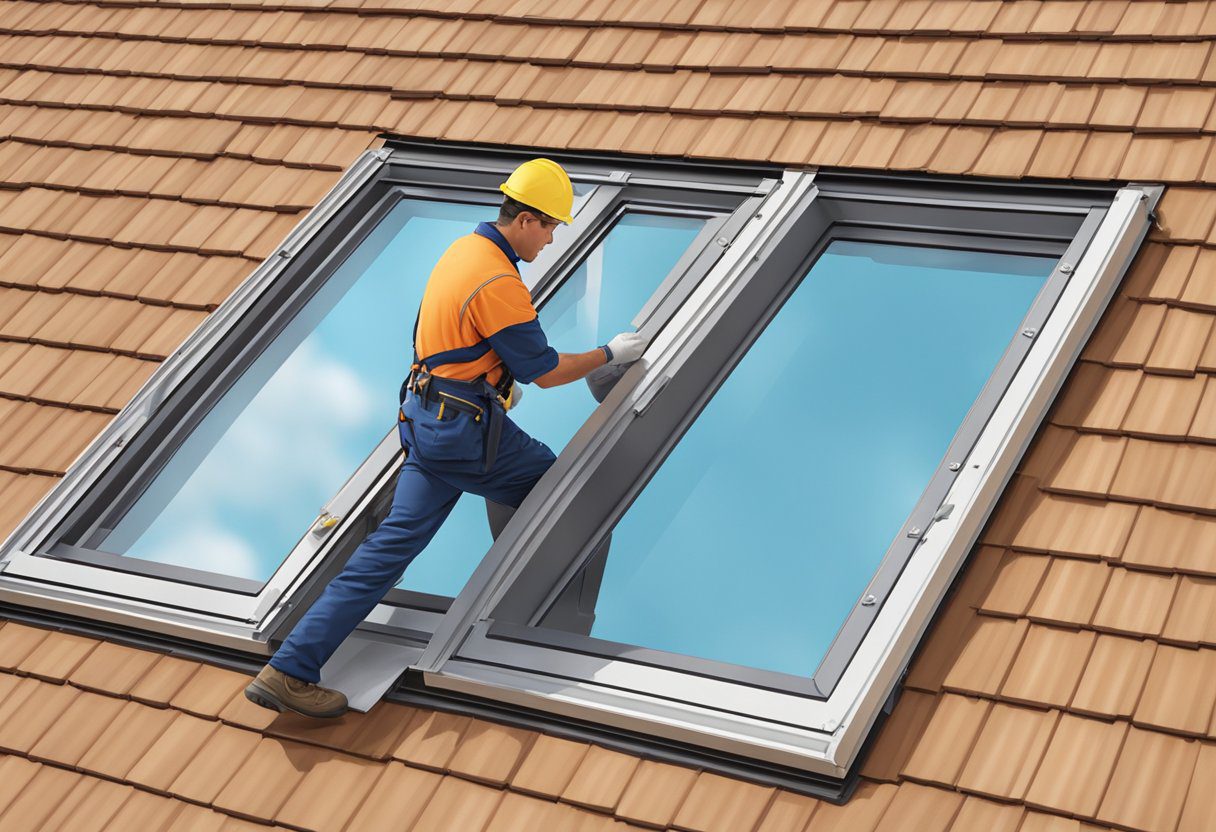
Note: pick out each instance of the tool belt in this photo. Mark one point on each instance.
(446, 398)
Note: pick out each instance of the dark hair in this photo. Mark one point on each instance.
(510, 210)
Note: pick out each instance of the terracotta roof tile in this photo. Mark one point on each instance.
(986, 659)
(163, 680)
(920, 809)
(17, 642)
(1048, 667)
(15, 773)
(97, 807)
(1114, 676)
(1200, 806)
(489, 752)
(1203, 426)
(1186, 214)
(126, 739)
(655, 793)
(144, 811)
(977, 813)
(1160, 272)
(1135, 602)
(217, 763)
(720, 804)
(1007, 751)
(431, 739)
(1164, 406)
(899, 736)
(330, 792)
(1200, 288)
(1171, 699)
(521, 813)
(269, 775)
(1192, 618)
(1183, 336)
(1078, 527)
(172, 751)
(1144, 469)
(1151, 803)
(67, 805)
(1088, 466)
(600, 779)
(1126, 333)
(397, 798)
(75, 731)
(1070, 592)
(1186, 485)
(788, 812)
(955, 724)
(1017, 580)
(39, 798)
(860, 814)
(57, 656)
(549, 766)
(39, 709)
(458, 804)
(1077, 766)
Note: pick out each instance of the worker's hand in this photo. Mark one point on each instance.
(626, 348)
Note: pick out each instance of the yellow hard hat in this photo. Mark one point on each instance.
(543, 185)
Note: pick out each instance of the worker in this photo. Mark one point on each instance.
(479, 338)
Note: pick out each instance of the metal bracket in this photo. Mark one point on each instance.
(643, 404)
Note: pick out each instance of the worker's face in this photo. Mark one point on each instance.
(535, 234)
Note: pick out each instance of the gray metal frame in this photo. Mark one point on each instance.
(503, 654)
(48, 559)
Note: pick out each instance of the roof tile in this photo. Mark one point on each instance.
(23, 726)
(1077, 766)
(330, 792)
(1177, 348)
(1160, 272)
(161, 683)
(1187, 485)
(144, 811)
(126, 739)
(216, 763)
(899, 736)
(489, 752)
(1114, 676)
(261, 786)
(1200, 806)
(1096, 397)
(549, 766)
(788, 812)
(39, 798)
(98, 806)
(1078, 527)
(208, 690)
(396, 799)
(1171, 699)
(1135, 602)
(1088, 466)
(978, 813)
(67, 805)
(1164, 407)
(1150, 803)
(1048, 667)
(1192, 618)
(431, 739)
(600, 779)
(655, 793)
(1143, 469)
(1200, 287)
(1126, 333)
(1007, 751)
(1018, 579)
(1203, 426)
(57, 656)
(17, 642)
(947, 741)
(75, 731)
(721, 804)
(173, 749)
(1070, 592)
(920, 809)
(984, 662)
(458, 804)
(860, 814)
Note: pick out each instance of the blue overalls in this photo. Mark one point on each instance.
(457, 437)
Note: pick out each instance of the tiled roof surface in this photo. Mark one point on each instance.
(152, 155)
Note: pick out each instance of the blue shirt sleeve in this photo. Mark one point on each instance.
(525, 350)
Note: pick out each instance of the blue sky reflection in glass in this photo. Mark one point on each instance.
(250, 480)
(596, 302)
(758, 534)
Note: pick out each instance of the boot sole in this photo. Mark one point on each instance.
(258, 694)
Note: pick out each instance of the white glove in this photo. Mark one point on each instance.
(626, 347)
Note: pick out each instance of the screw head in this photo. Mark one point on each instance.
(1066, 268)
(869, 601)
(954, 466)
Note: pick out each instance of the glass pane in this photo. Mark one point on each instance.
(595, 303)
(757, 536)
(249, 481)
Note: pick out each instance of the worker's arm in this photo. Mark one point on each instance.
(571, 366)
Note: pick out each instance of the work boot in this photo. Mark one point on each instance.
(274, 689)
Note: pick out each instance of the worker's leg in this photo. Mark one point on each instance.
(421, 502)
(521, 461)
